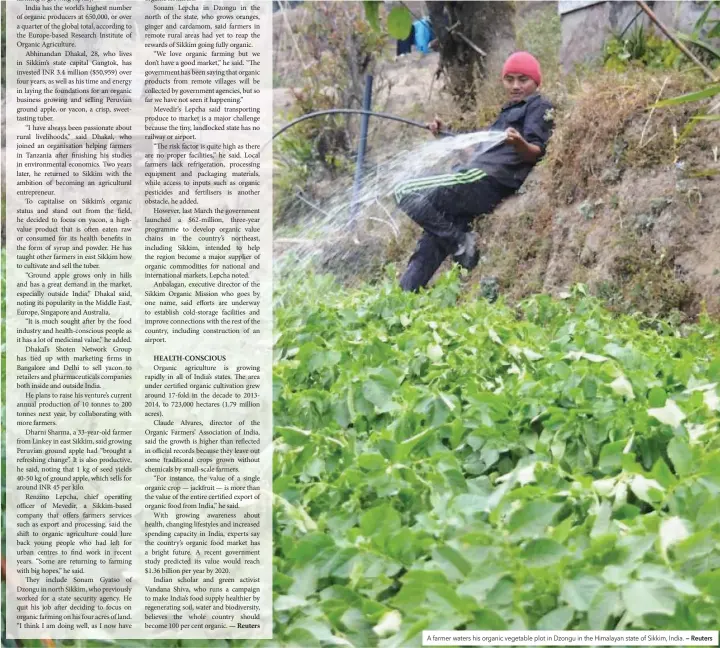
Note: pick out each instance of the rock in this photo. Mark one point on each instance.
(587, 209)
(611, 175)
(644, 222)
(658, 205)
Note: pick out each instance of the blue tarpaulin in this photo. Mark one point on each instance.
(423, 35)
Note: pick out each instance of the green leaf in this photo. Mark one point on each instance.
(713, 117)
(562, 531)
(487, 620)
(372, 13)
(379, 395)
(672, 531)
(611, 456)
(699, 42)
(700, 22)
(579, 592)
(697, 545)
(305, 628)
(480, 583)
(371, 461)
(532, 519)
(592, 357)
(434, 352)
(708, 92)
(558, 449)
(602, 521)
(616, 575)
(309, 547)
(289, 602)
(304, 581)
(293, 436)
(381, 520)
(589, 387)
(670, 414)
(297, 514)
(642, 597)
(622, 387)
(399, 23)
(494, 336)
(657, 397)
(648, 490)
(681, 456)
(542, 552)
(710, 582)
(664, 576)
(662, 474)
(452, 560)
(603, 606)
(558, 619)
(709, 514)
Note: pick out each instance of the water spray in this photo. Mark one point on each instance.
(328, 227)
(357, 111)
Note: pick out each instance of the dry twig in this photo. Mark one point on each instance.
(642, 135)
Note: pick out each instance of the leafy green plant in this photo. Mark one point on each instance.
(707, 114)
(471, 466)
(711, 26)
(713, 89)
(399, 19)
(710, 91)
(644, 48)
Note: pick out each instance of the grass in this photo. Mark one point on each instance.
(644, 279)
(586, 143)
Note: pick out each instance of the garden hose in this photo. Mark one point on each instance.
(355, 111)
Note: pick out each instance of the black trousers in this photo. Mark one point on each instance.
(445, 207)
(405, 46)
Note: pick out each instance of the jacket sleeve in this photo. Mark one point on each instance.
(538, 124)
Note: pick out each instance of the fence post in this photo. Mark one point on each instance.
(367, 105)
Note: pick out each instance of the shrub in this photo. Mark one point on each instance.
(643, 48)
(340, 48)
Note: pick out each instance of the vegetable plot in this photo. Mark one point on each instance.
(445, 465)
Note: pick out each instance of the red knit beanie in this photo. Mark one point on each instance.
(523, 63)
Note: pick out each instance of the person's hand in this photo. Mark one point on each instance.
(528, 152)
(514, 138)
(435, 126)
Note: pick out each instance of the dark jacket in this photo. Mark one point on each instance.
(532, 118)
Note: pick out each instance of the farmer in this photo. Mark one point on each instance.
(445, 205)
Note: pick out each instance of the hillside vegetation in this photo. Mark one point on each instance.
(444, 464)
(627, 200)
